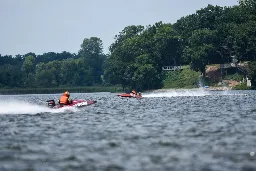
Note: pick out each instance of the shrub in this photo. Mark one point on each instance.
(181, 79)
(242, 86)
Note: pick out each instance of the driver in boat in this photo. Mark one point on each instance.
(133, 93)
(64, 99)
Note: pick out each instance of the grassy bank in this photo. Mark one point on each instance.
(61, 90)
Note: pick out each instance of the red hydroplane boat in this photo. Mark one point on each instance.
(130, 95)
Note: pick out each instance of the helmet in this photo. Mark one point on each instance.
(67, 93)
(133, 92)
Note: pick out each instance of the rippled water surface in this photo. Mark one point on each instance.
(174, 130)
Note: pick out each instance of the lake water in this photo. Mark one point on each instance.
(181, 130)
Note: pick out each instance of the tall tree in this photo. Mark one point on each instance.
(28, 71)
(93, 58)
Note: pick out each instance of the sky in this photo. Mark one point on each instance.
(42, 26)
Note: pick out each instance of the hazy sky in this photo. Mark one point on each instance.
(42, 26)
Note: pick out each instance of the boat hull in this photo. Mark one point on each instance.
(75, 103)
(129, 95)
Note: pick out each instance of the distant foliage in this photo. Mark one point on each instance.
(186, 78)
(54, 69)
(236, 77)
(242, 86)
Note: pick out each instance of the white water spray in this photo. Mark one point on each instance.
(178, 93)
(17, 107)
(191, 93)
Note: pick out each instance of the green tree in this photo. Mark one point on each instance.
(93, 58)
(45, 78)
(28, 71)
(201, 50)
(119, 67)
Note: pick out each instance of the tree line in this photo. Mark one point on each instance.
(54, 69)
(212, 35)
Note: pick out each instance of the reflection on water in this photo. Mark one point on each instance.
(171, 130)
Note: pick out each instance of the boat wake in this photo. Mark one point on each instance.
(17, 107)
(178, 93)
(192, 92)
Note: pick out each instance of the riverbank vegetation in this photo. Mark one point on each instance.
(185, 78)
(212, 35)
